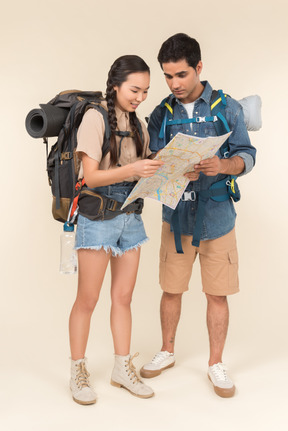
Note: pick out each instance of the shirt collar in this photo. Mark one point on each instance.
(119, 113)
(205, 96)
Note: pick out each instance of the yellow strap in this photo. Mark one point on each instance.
(169, 107)
(217, 101)
(233, 185)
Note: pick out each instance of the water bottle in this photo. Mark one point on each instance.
(68, 257)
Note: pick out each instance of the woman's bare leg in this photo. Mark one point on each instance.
(124, 272)
(92, 266)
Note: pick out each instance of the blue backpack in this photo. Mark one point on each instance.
(219, 191)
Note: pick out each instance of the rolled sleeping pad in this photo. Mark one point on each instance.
(252, 112)
(45, 122)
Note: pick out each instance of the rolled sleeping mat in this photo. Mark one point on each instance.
(252, 112)
(45, 122)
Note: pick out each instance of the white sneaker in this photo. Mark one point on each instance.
(161, 361)
(124, 375)
(82, 392)
(223, 385)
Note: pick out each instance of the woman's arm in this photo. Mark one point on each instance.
(95, 177)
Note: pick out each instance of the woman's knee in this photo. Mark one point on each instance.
(85, 304)
(121, 298)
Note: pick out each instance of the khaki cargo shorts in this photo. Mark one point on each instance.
(218, 261)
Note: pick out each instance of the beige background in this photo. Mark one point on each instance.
(49, 46)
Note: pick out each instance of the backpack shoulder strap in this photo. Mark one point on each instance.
(167, 107)
(218, 105)
(106, 141)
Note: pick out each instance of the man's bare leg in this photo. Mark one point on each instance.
(170, 311)
(217, 323)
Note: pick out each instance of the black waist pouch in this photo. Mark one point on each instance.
(95, 206)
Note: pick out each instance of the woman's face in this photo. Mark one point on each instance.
(133, 91)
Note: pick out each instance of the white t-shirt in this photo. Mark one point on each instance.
(189, 109)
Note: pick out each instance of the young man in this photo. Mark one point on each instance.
(180, 59)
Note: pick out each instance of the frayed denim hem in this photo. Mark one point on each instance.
(107, 248)
(140, 243)
(116, 251)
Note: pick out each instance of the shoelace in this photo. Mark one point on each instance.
(159, 357)
(132, 370)
(82, 376)
(219, 370)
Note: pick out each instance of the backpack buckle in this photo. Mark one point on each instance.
(189, 196)
(111, 205)
(66, 156)
(200, 120)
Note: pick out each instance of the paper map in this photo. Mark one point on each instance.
(179, 156)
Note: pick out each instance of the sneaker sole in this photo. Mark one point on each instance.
(223, 392)
(148, 374)
(84, 403)
(119, 385)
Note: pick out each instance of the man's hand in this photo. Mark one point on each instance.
(215, 166)
(209, 167)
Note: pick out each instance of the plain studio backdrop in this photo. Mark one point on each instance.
(50, 46)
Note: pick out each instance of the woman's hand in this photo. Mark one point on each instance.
(192, 176)
(146, 168)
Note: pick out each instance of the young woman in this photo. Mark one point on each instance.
(117, 240)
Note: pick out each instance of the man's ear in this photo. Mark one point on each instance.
(199, 67)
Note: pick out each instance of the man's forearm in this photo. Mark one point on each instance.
(233, 166)
(214, 166)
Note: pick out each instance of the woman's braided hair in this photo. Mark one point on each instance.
(118, 73)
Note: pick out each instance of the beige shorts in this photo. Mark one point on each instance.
(218, 261)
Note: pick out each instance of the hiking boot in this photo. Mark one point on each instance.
(82, 392)
(223, 385)
(124, 375)
(160, 362)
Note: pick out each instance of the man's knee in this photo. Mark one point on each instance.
(172, 296)
(217, 300)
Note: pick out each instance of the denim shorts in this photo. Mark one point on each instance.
(118, 235)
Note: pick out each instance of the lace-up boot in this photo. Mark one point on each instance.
(223, 385)
(82, 392)
(160, 362)
(124, 375)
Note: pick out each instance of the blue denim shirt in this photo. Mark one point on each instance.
(219, 218)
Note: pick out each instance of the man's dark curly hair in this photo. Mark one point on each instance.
(180, 47)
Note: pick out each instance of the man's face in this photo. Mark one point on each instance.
(183, 80)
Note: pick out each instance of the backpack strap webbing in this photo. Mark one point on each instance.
(221, 190)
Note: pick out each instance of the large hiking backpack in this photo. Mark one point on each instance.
(218, 191)
(61, 117)
(62, 161)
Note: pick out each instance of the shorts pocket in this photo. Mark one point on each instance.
(175, 271)
(137, 217)
(233, 269)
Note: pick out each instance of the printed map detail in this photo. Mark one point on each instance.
(179, 156)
